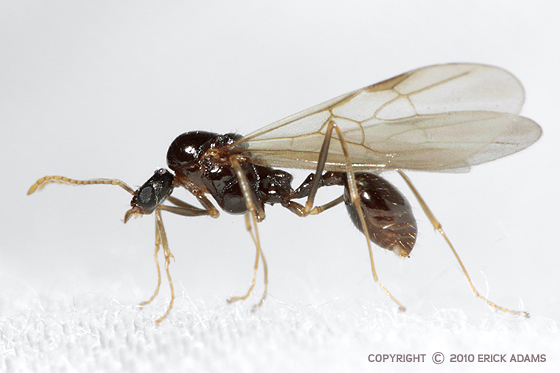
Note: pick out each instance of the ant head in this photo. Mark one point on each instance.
(152, 194)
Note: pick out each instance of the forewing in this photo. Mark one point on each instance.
(437, 118)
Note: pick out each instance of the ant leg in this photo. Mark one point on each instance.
(253, 282)
(181, 208)
(256, 214)
(299, 209)
(158, 243)
(185, 209)
(205, 202)
(352, 187)
(40, 184)
(437, 226)
(320, 167)
(354, 196)
(161, 239)
(249, 227)
(305, 190)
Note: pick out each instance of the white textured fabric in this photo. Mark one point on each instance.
(42, 333)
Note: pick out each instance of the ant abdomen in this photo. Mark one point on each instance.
(387, 214)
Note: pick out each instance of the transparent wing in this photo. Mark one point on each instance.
(437, 118)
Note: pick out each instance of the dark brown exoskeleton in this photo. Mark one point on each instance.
(443, 118)
(209, 163)
(201, 164)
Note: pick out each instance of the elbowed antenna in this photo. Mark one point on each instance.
(40, 184)
(147, 199)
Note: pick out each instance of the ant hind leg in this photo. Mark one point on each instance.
(437, 226)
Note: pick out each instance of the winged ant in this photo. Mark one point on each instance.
(443, 118)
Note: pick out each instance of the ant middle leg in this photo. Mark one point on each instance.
(249, 227)
(255, 214)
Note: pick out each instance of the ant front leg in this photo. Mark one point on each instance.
(180, 208)
(255, 214)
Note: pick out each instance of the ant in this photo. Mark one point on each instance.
(442, 118)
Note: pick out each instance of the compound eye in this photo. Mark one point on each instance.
(188, 148)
